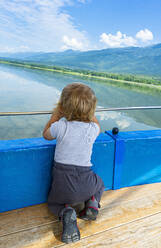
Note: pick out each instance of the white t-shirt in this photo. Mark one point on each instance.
(74, 141)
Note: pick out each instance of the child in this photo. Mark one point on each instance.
(73, 180)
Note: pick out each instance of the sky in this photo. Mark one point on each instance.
(58, 25)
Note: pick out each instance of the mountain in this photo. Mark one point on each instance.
(20, 55)
(133, 60)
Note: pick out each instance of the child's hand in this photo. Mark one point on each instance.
(56, 116)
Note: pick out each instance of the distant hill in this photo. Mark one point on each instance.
(131, 60)
(20, 55)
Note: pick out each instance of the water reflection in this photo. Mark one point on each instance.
(33, 90)
(20, 94)
(110, 119)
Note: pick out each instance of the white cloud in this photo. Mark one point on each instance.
(71, 43)
(7, 49)
(108, 115)
(118, 40)
(144, 35)
(122, 40)
(123, 123)
(39, 25)
(82, 1)
(45, 25)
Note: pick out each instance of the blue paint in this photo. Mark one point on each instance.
(122, 160)
(25, 174)
(119, 157)
(118, 160)
(26, 164)
(103, 159)
(9, 145)
(137, 158)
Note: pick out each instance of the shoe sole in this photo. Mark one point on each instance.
(71, 233)
(71, 239)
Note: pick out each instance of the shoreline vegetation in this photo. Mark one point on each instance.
(133, 82)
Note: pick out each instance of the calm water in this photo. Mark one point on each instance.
(34, 90)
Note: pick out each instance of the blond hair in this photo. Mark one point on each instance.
(77, 103)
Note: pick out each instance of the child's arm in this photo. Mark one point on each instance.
(96, 121)
(55, 117)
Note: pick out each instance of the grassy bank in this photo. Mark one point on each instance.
(146, 84)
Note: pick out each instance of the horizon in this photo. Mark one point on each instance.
(83, 25)
(80, 50)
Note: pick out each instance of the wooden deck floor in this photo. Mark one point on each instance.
(129, 217)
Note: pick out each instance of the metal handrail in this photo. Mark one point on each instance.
(97, 110)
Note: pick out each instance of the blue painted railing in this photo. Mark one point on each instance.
(137, 158)
(122, 160)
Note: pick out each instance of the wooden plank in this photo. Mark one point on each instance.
(115, 213)
(142, 233)
(25, 218)
(43, 237)
(34, 216)
(130, 193)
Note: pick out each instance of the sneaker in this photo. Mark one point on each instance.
(88, 214)
(90, 211)
(70, 229)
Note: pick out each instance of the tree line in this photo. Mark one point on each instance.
(117, 76)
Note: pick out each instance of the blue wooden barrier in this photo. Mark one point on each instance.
(25, 169)
(103, 159)
(122, 160)
(137, 158)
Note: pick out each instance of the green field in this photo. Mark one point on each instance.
(134, 82)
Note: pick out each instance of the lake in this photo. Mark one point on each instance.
(24, 89)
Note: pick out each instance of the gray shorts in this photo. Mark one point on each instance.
(73, 184)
